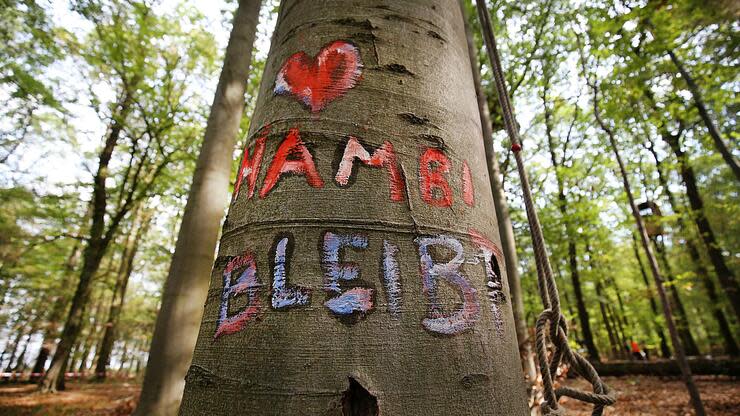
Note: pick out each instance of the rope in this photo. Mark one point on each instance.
(551, 324)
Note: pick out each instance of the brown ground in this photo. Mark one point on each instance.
(655, 396)
(645, 396)
(80, 399)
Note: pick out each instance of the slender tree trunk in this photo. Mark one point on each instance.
(124, 357)
(57, 313)
(97, 243)
(701, 271)
(185, 288)
(682, 319)
(613, 340)
(714, 133)
(566, 297)
(506, 229)
(20, 363)
(583, 316)
(80, 363)
(664, 348)
(619, 329)
(706, 233)
(652, 261)
(119, 293)
(338, 275)
(611, 320)
(16, 344)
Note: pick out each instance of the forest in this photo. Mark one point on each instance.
(363, 207)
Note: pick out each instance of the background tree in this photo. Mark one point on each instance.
(176, 330)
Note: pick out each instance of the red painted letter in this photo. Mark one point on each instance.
(250, 168)
(433, 165)
(384, 157)
(467, 180)
(292, 156)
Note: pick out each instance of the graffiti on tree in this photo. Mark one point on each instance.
(319, 80)
(315, 82)
(246, 284)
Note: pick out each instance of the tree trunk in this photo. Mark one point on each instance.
(682, 319)
(613, 340)
(20, 363)
(57, 313)
(96, 246)
(338, 275)
(185, 288)
(724, 274)
(506, 229)
(124, 357)
(665, 350)
(583, 316)
(701, 271)
(16, 344)
(125, 269)
(611, 320)
(719, 142)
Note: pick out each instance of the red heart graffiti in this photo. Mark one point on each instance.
(327, 76)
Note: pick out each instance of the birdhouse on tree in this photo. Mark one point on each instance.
(650, 212)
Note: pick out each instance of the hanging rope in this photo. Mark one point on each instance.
(551, 325)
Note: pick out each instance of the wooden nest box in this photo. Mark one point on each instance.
(650, 213)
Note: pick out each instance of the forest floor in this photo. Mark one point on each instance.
(648, 396)
(658, 396)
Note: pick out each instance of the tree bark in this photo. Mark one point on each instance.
(119, 293)
(714, 133)
(366, 287)
(506, 229)
(185, 288)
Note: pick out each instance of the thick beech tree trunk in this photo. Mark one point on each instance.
(359, 271)
(186, 285)
(506, 229)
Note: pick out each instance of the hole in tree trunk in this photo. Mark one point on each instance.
(357, 401)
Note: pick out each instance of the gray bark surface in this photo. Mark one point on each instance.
(186, 286)
(415, 91)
